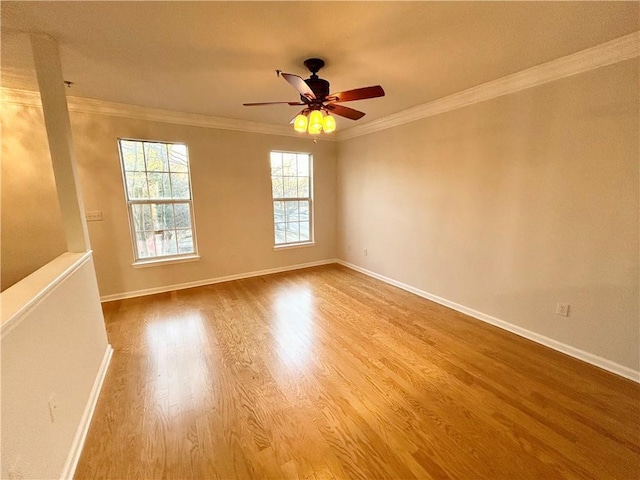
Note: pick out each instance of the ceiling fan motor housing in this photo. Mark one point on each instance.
(319, 86)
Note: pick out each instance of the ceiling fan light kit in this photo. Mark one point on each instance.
(328, 124)
(314, 122)
(300, 123)
(319, 103)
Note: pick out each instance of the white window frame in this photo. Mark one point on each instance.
(158, 259)
(300, 243)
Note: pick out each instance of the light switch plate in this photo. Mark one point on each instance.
(93, 216)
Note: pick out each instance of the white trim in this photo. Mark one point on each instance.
(607, 53)
(73, 457)
(290, 246)
(159, 261)
(21, 298)
(211, 281)
(100, 107)
(615, 51)
(600, 362)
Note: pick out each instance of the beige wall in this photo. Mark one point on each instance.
(231, 188)
(32, 232)
(230, 173)
(509, 206)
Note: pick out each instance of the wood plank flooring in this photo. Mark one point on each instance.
(326, 373)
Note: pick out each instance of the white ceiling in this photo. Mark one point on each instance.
(210, 57)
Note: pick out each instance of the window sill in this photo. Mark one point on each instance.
(157, 262)
(294, 245)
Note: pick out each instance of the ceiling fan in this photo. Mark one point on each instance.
(318, 103)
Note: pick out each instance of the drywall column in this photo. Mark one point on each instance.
(56, 116)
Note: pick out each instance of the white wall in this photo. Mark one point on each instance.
(509, 206)
(56, 347)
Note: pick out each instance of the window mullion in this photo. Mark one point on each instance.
(146, 170)
(159, 200)
(292, 199)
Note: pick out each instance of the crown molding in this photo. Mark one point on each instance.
(608, 53)
(87, 105)
(618, 50)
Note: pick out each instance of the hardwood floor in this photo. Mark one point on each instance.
(326, 373)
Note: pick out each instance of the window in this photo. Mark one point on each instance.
(291, 184)
(158, 191)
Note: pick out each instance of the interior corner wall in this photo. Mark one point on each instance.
(231, 183)
(32, 233)
(509, 206)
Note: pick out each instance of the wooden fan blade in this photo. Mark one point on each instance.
(357, 94)
(344, 111)
(271, 103)
(299, 84)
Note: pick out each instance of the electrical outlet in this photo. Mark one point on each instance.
(366, 252)
(53, 406)
(562, 309)
(93, 216)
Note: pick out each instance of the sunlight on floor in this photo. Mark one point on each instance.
(294, 329)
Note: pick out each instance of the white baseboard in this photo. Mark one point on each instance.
(81, 433)
(211, 281)
(600, 362)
